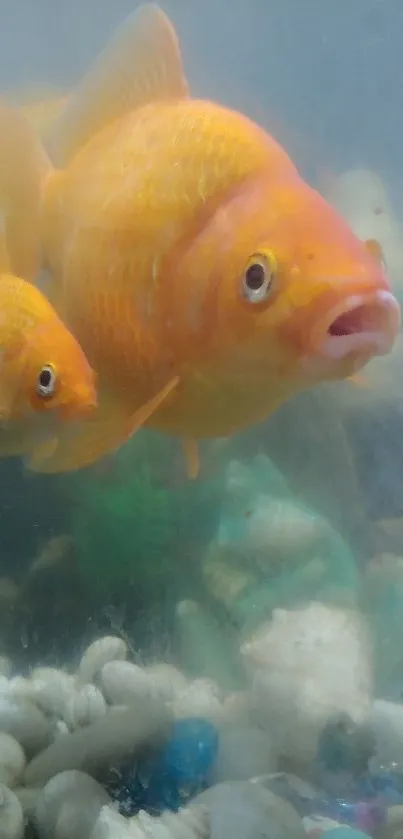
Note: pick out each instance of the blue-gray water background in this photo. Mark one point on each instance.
(326, 77)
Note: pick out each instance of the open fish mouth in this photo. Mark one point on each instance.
(360, 325)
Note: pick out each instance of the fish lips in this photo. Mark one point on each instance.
(361, 326)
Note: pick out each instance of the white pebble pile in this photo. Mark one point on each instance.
(60, 730)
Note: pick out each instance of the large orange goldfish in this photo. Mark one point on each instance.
(204, 279)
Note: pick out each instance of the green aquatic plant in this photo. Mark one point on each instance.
(120, 532)
(135, 524)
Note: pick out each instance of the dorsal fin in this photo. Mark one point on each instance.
(41, 103)
(23, 172)
(141, 64)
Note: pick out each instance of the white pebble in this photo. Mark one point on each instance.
(202, 697)
(241, 810)
(18, 686)
(109, 648)
(117, 709)
(123, 682)
(12, 760)
(24, 721)
(196, 820)
(68, 806)
(236, 707)
(152, 826)
(166, 680)
(11, 815)
(61, 729)
(189, 823)
(309, 665)
(112, 825)
(84, 707)
(28, 798)
(242, 754)
(46, 674)
(48, 688)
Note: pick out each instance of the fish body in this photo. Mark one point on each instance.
(204, 279)
(149, 232)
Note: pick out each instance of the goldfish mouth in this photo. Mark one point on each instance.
(361, 325)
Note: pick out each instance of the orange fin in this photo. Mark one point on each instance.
(13, 445)
(376, 250)
(42, 111)
(10, 384)
(16, 439)
(141, 64)
(7, 397)
(23, 171)
(46, 448)
(41, 103)
(359, 380)
(191, 452)
(105, 430)
(145, 412)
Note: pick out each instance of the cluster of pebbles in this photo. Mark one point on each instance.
(60, 733)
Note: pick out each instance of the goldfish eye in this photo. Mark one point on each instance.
(46, 381)
(258, 279)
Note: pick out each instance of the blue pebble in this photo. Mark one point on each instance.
(191, 750)
(178, 771)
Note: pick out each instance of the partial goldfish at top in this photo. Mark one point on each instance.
(204, 279)
(45, 378)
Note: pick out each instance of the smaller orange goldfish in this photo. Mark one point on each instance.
(45, 377)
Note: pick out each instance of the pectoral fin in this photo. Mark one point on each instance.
(375, 249)
(191, 452)
(105, 430)
(359, 380)
(18, 439)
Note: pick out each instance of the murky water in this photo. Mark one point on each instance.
(301, 513)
